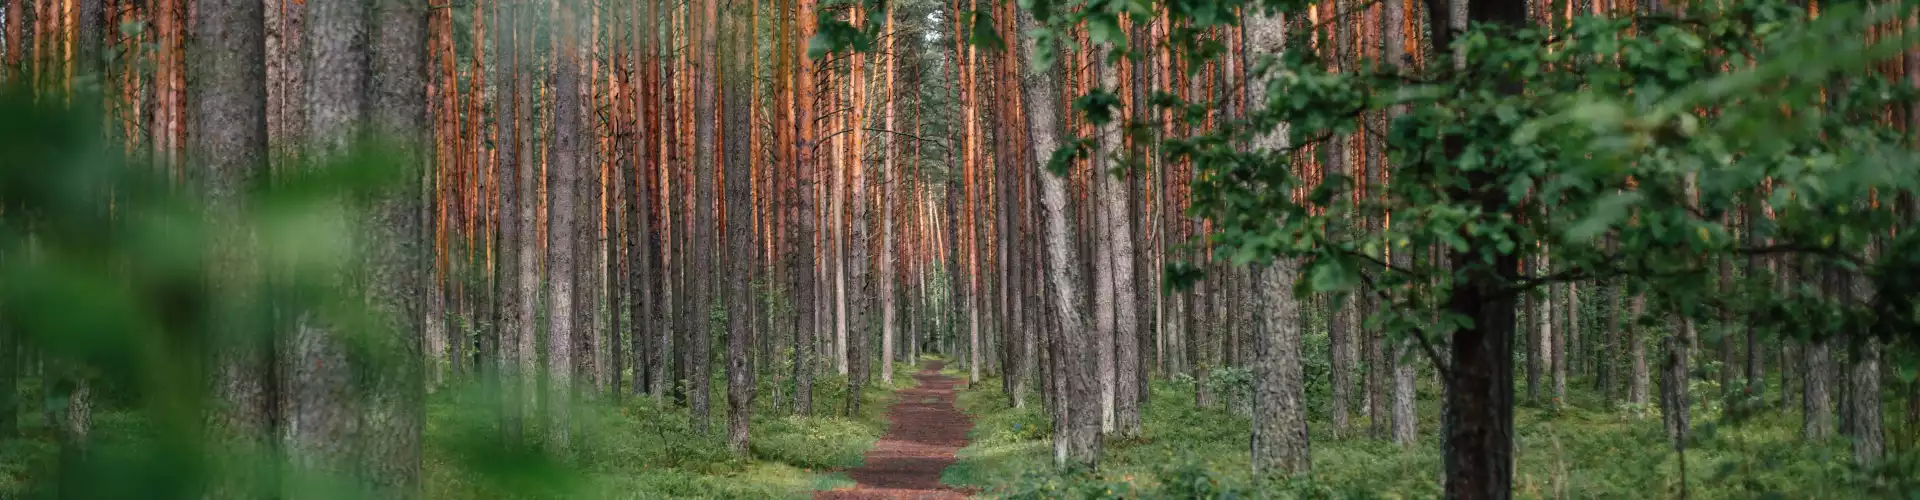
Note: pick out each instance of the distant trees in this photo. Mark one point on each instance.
(1074, 198)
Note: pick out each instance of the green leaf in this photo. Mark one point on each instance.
(1606, 212)
(1329, 275)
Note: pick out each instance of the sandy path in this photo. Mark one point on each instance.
(926, 431)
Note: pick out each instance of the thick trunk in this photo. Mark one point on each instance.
(320, 412)
(1279, 405)
(396, 410)
(1864, 401)
(1478, 421)
(229, 133)
(1077, 436)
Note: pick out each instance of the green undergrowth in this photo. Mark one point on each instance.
(638, 447)
(1573, 452)
(645, 448)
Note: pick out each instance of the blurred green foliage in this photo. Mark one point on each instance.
(113, 272)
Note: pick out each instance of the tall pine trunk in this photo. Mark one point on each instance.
(396, 409)
(1077, 439)
(1280, 441)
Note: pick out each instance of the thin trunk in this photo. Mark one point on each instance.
(513, 231)
(805, 280)
(1637, 351)
(888, 194)
(526, 384)
(705, 147)
(736, 94)
(564, 172)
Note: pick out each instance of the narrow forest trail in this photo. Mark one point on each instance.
(920, 443)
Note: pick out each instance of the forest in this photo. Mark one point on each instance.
(1091, 249)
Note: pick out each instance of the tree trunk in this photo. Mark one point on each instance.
(564, 169)
(320, 410)
(1280, 441)
(228, 98)
(1543, 335)
(1816, 396)
(1637, 351)
(705, 148)
(527, 356)
(888, 193)
(1478, 421)
(1077, 440)
(1863, 353)
(736, 96)
(638, 180)
(397, 407)
(1405, 421)
(803, 267)
(1675, 402)
(514, 233)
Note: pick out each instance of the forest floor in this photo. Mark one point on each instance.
(926, 431)
(1584, 449)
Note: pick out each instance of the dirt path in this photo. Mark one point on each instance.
(906, 464)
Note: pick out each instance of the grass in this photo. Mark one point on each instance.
(645, 448)
(634, 448)
(1580, 451)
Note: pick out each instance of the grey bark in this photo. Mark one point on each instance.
(1280, 441)
(1077, 440)
(735, 97)
(512, 233)
(705, 98)
(396, 409)
(527, 358)
(563, 180)
(888, 193)
(228, 101)
(321, 411)
(1543, 344)
(642, 329)
(1816, 396)
(1637, 351)
(1405, 422)
(1675, 402)
(1863, 353)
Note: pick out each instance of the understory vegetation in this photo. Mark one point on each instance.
(1581, 450)
(641, 447)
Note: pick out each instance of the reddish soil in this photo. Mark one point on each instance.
(926, 430)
